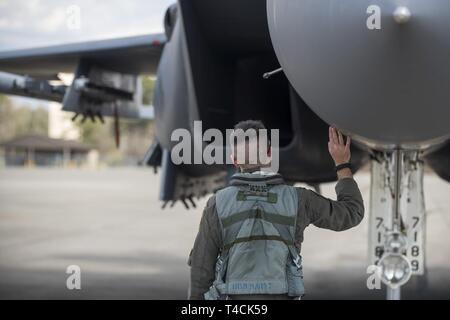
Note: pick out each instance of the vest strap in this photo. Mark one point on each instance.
(265, 196)
(284, 232)
(258, 214)
(254, 238)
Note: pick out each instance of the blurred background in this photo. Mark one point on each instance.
(35, 133)
(24, 122)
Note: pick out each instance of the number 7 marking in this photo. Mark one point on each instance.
(380, 222)
(417, 219)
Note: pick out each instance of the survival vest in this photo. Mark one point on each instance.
(258, 214)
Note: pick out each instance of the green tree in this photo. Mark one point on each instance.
(16, 121)
(6, 114)
(97, 135)
(148, 89)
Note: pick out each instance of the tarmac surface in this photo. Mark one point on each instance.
(109, 222)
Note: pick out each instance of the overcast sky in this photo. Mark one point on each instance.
(31, 23)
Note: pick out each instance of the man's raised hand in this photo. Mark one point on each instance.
(337, 146)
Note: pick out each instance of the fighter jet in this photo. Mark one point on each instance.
(377, 70)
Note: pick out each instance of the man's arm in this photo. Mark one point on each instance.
(343, 214)
(348, 210)
(205, 252)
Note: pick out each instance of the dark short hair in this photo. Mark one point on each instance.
(250, 124)
(255, 125)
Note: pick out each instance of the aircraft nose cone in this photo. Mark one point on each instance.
(378, 69)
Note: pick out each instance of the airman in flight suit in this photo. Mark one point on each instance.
(250, 235)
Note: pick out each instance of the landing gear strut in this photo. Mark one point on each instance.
(397, 218)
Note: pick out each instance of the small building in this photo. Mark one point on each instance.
(40, 150)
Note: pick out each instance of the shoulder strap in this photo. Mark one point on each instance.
(284, 233)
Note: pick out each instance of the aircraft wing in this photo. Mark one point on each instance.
(105, 74)
(131, 55)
